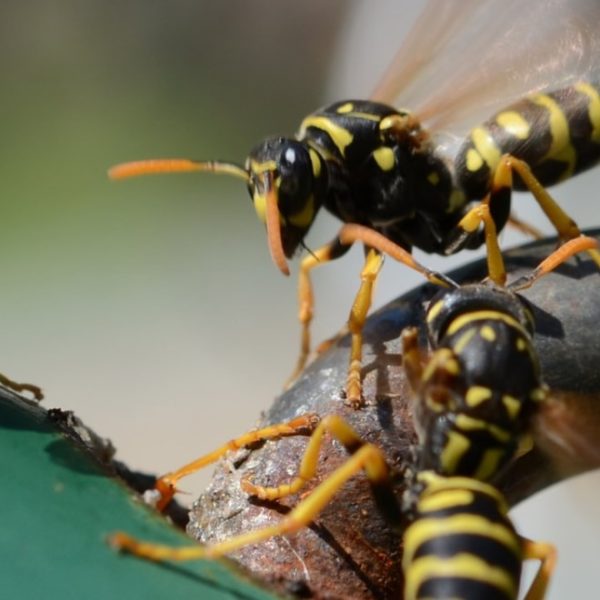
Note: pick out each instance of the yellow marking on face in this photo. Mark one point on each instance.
(521, 344)
(487, 333)
(341, 137)
(304, 217)
(448, 499)
(384, 157)
(513, 405)
(474, 160)
(455, 448)
(477, 394)
(489, 464)
(514, 124)
(346, 108)
(486, 147)
(259, 168)
(433, 178)
(316, 162)
(260, 206)
(478, 315)
(467, 423)
(434, 311)
(560, 148)
(594, 108)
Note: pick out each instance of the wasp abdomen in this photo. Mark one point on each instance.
(557, 134)
(461, 543)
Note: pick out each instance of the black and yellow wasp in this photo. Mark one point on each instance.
(470, 419)
(428, 177)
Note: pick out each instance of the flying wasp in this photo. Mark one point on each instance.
(427, 178)
(459, 541)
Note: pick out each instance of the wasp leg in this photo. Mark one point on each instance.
(546, 554)
(379, 246)
(365, 457)
(412, 358)
(166, 485)
(373, 239)
(554, 260)
(336, 427)
(34, 390)
(356, 322)
(502, 185)
(471, 222)
(306, 299)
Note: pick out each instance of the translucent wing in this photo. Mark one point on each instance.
(566, 428)
(466, 59)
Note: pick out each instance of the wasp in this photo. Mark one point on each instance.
(470, 419)
(420, 177)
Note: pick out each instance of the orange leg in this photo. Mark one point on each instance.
(554, 260)
(566, 228)
(470, 222)
(546, 553)
(332, 424)
(306, 299)
(167, 484)
(356, 322)
(379, 246)
(365, 457)
(34, 390)
(412, 359)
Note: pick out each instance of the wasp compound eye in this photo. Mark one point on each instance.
(295, 180)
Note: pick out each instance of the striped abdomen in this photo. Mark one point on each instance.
(557, 134)
(461, 543)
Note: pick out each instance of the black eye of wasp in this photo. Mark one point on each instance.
(295, 176)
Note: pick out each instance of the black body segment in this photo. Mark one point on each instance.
(461, 543)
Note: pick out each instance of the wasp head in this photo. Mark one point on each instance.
(286, 179)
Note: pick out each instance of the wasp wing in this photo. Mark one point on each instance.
(566, 428)
(465, 60)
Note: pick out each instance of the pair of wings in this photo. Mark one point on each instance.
(466, 59)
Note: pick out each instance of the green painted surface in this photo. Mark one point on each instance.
(57, 508)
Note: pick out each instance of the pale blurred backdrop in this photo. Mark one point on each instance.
(151, 307)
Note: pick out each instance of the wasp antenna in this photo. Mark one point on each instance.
(175, 165)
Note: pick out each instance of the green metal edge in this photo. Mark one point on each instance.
(58, 505)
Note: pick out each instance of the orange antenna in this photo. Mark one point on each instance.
(273, 227)
(175, 165)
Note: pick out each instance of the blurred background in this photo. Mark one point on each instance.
(150, 307)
